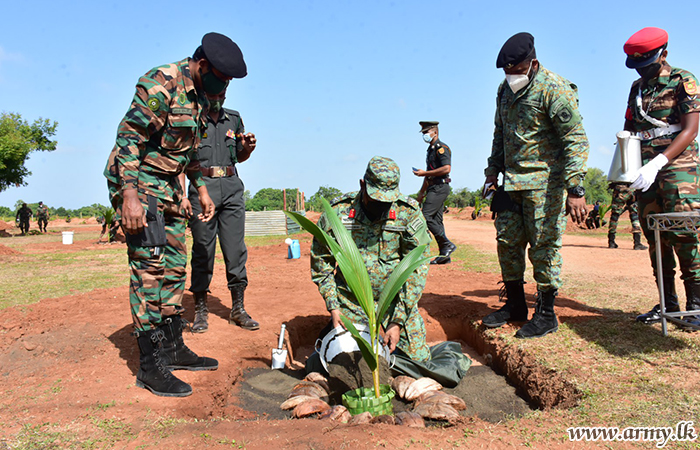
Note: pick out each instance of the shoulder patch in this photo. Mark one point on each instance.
(153, 104)
(441, 150)
(691, 87)
(182, 98)
(564, 115)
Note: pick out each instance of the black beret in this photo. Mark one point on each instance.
(516, 50)
(224, 55)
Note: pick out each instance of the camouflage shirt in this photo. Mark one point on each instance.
(382, 244)
(158, 136)
(539, 135)
(42, 212)
(665, 98)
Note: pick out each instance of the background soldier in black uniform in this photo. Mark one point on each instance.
(23, 215)
(436, 188)
(223, 145)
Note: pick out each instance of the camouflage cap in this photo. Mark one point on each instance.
(382, 179)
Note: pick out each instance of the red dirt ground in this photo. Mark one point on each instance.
(60, 358)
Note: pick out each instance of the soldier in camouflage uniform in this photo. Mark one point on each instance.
(663, 109)
(24, 213)
(540, 146)
(42, 216)
(156, 142)
(623, 200)
(386, 226)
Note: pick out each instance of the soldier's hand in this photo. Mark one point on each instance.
(186, 208)
(249, 142)
(133, 214)
(335, 319)
(419, 172)
(391, 336)
(576, 207)
(207, 206)
(420, 196)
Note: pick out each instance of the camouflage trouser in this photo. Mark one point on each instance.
(540, 225)
(664, 196)
(157, 282)
(623, 200)
(42, 222)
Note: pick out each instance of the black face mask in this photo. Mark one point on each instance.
(373, 209)
(650, 71)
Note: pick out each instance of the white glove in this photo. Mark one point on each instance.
(647, 174)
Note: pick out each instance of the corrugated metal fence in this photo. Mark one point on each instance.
(263, 223)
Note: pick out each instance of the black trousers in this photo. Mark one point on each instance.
(228, 224)
(432, 207)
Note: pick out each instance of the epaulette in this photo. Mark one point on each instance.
(343, 197)
(232, 112)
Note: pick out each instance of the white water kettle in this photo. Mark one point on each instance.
(627, 159)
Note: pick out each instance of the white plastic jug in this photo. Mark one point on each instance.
(627, 159)
(67, 237)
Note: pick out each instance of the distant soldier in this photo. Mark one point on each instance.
(623, 200)
(23, 215)
(436, 188)
(42, 216)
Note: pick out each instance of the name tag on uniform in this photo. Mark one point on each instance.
(394, 228)
(187, 111)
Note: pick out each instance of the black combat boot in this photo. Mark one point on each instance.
(692, 295)
(611, 240)
(176, 355)
(201, 313)
(670, 300)
(638, 242)
(515, 309)
(239, 316)
(544, 321)
(153, 375)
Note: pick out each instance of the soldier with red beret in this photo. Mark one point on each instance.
(663, 110)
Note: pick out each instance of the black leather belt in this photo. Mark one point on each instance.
(434, 181)
(218, 171)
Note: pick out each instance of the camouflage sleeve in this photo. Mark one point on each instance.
(416, 234)
(496, 162)
(562, 109)
(688, 95)
(323, 270)
(146, 116)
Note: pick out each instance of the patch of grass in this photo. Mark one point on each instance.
(27, 279)
(45, 436)
(473, 260)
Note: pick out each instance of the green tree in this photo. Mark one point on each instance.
(596, 185)
(329, 193)
(5, 211)
(265, 200)
(17, 140)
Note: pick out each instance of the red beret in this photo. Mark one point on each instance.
(645, 40)
(643, 46)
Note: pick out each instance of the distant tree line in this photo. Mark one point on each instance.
(270, 199)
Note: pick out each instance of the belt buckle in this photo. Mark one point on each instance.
(220, 172)
(647, 135)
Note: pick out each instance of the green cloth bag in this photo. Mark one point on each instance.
(447, 364)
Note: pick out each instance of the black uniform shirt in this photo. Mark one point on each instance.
(439, 155)
(219, 142)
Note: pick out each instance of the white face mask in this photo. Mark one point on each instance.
(427, 138)
(517, 82)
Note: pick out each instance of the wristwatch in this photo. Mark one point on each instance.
(577, 191)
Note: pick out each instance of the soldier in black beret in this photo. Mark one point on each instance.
(156, 145)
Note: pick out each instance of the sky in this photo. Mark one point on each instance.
(330, 83)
